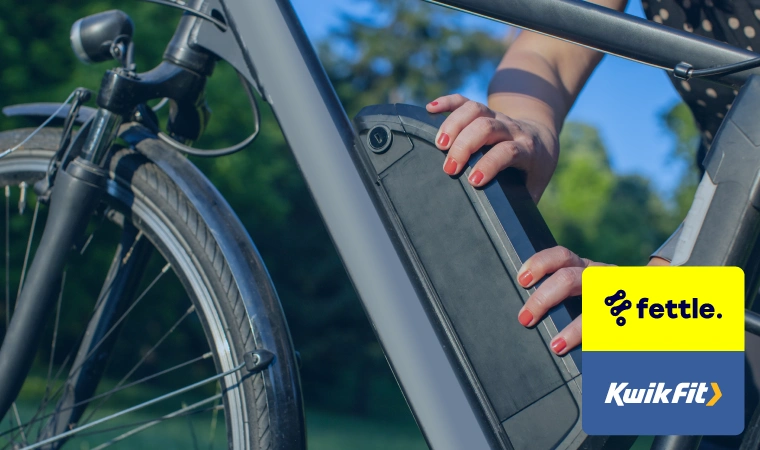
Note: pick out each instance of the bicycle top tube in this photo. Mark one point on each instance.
(613, 32)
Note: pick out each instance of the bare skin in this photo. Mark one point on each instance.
(566, 269)
(533, 89)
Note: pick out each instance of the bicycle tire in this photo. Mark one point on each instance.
(161, 210)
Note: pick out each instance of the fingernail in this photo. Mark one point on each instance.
(525, 279)
(450, 167)
(558, 345)
(433, 103)
(476, 177)
(443, 140)
(525, 318)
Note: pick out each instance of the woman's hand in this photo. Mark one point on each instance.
(566, 268)
(525, 144)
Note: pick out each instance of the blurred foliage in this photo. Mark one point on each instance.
(414, 53)
(402, 51)
(601, 215)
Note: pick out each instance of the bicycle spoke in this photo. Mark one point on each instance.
(59, 390)
(126, 313)
(46, 396)
(92, 235)
(55, 338)
(7, 256)
(22, 198)
(21, 207)
(192, 428)
(18, 421)
(134, 408)
(161, 419)
(144, 358)
(113, 391)
(28, 247)
(214, 415)
(183, 413)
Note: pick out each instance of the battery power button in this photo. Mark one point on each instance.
(379, 138)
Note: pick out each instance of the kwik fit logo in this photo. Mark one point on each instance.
(621, 394)
(665, 355)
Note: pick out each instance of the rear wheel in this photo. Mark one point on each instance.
(147, 306)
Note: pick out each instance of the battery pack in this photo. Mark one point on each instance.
(463, 247)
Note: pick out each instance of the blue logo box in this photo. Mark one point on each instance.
(687, 381)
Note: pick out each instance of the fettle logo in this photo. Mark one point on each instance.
(617, 310)
(683, 309)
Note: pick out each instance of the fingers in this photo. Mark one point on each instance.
(567, 339)
(499, 157)
(469, 127)
(461, 118)
(546, 262)
(447, 103)
(564, 283)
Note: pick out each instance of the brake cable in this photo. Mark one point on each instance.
(220, 151)
(685, 71)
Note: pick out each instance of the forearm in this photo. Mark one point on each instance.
(655, 261)
(532, 84)
(540, 77)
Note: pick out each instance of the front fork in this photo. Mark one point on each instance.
(75, 196)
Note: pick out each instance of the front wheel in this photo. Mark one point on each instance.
(147, 306)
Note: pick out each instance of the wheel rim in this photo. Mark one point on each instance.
(17, 169)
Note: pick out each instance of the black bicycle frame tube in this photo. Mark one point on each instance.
(612, 32)
(321, 137)
(74, 198)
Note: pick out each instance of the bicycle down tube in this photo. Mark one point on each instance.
(321, 138)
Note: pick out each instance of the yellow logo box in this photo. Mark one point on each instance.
(663, 309)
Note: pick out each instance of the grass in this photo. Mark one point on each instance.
(325, 430)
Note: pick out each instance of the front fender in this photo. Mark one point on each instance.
(250, 274)
(46, 110)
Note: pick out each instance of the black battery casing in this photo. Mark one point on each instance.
(464, 246)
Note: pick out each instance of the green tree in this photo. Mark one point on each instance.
(413, 54)
(573, 204)
(597, 213)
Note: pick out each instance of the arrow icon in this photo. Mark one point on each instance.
(716, 396)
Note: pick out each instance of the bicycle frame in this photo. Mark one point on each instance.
(288, 74)
(322, 139)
